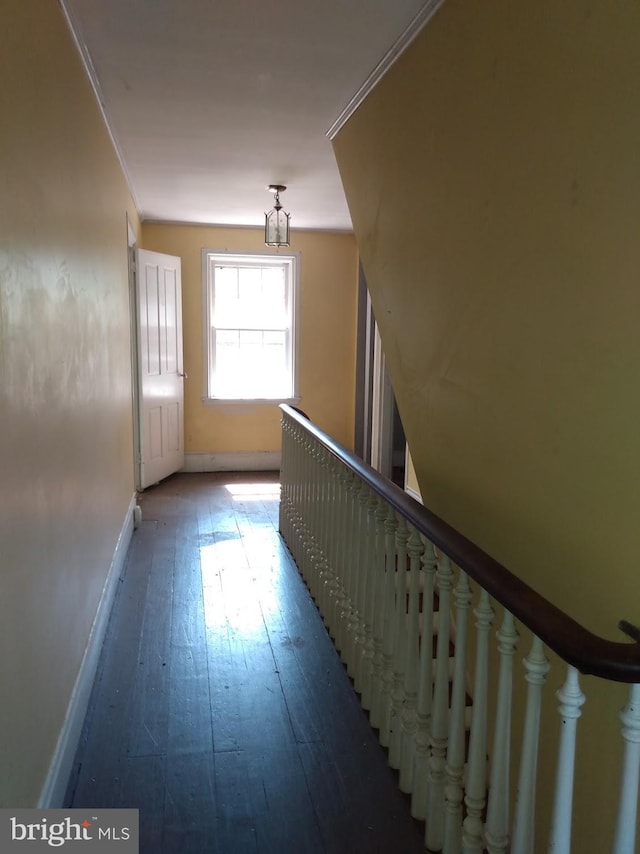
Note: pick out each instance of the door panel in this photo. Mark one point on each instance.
(154, 435)
(161, 366)
(170, 322)
(173, 427)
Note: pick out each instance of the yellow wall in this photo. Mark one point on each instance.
(328, 287)
(492, 178)
(65, 391)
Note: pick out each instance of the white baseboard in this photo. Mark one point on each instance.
(53, 792)
(414, 494)
(233, 461)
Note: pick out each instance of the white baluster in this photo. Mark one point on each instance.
(379, 608)
(497, 826)
(330, 544)
(285, 479)
(353, 562)
(341, 534)
(537, 667)
(294, 491)
(425, 686)
(415, 549)
(361, 566)
(290, 507)
(360, 570)
(332, 535)
(627, 810)
(452, 837)
(305, 535)
(390, 625)
(369, 576)
(322, 504)
(571, 699)
(475, 791)
(439, 730)
(314, 512)
(300, 540)
(400, 647)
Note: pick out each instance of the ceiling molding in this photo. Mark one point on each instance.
(189, 223)
(81, 47)
(398, 48)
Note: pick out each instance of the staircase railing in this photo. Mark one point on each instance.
(393, 583)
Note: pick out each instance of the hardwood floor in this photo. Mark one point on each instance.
(220, 708)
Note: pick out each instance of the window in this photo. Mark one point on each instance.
(250, 326)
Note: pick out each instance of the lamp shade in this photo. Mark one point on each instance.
(276, 221)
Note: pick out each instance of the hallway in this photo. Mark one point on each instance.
(220, 707)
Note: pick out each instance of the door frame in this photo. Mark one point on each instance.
(364, 373)
(379, 436)
(132, 245)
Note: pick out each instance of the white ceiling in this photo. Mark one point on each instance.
(210, 101)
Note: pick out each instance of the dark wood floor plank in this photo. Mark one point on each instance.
(288, 638)
(235, 809)
(286, 817)
(149, 712)
(189, 823)
(190, 803)
(188, 687)
(359, 808)
(143, 787)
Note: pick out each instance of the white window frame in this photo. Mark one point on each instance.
(290, 261)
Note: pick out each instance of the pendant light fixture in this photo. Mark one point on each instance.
(276, 222)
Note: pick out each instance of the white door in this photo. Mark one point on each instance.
(160, 365)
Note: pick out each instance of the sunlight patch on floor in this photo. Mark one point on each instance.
(235, 595)
(253, 491)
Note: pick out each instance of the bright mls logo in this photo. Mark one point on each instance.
(87, 830)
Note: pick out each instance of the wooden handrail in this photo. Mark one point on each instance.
(588, 653)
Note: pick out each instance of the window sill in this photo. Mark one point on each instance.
(248, 402)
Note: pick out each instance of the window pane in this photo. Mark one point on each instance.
(226, 356)
(250, 285)
(227, 336)
(225, 292)
(250, 297)
(251, 364)
(273, 283)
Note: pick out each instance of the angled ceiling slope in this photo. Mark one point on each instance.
(210, 101)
